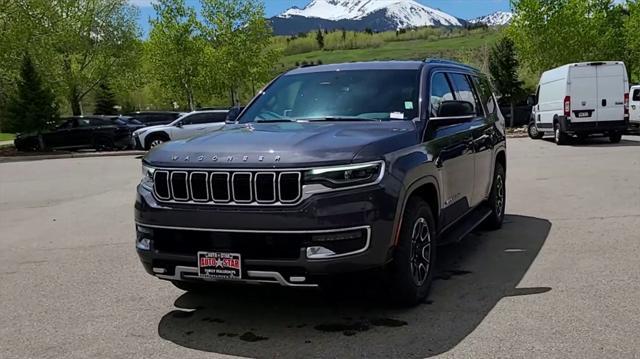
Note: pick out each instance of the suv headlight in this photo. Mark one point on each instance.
(147, 177)
(346, 176)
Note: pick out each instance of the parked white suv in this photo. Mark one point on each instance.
(189, 125)
(581, 99)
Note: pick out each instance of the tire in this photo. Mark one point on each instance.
(155, 140)
(615, 137)
(533, 132)
(194, 287)
(411, 272)
(560, 137)
(103, 144)
(497, 199)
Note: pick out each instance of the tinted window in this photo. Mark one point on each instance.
(465, 91)
(67, 124)
(82, 122)
(352, 94)
(98, 122)
(636, 95)
(486, 95)
(440, 91)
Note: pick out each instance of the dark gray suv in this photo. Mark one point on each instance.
(330, 170)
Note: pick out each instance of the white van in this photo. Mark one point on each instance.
(634, 108)
(581, 99)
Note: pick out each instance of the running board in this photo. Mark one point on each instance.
(464, 226)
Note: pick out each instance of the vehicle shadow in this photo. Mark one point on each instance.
(265, 322)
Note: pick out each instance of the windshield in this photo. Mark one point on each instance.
(353, 95)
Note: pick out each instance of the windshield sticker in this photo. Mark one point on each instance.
(397, 115)
(408, 105)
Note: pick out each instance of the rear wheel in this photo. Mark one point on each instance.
(533, 132)
(411, 272)
(103, 144)
(497, 199)
(561, 138)
(615, 137)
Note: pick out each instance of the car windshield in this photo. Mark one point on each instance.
(352, 95)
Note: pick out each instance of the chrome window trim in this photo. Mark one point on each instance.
(299, 174)
(216, 201)
(186, 186)
(206, 185)
(233, 189)
(275, 179)
(155, 172)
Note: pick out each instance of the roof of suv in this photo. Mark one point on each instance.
(380, 65)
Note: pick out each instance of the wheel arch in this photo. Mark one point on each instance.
(149, 137)
(426, 188)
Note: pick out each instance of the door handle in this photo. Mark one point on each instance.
(604, 102)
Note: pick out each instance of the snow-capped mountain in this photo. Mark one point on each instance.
(498, 18)
(378, 15)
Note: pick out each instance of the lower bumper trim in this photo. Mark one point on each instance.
(254, 277)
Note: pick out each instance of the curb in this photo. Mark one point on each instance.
(71, 155)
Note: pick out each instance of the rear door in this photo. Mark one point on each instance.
(584, 93)
(611, 90)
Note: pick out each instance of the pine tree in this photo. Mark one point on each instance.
(320, 39)
(503, 66)
(105, 101)
(33, 106)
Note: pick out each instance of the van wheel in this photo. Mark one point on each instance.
(561, 138)
(497, 199)
(411, 272)
(615, 137)
(533, 132)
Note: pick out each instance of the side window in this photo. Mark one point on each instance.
(636, 95)
(440, 91)
(219, 116)
(98, 122)
(83, 122)
(465, 92)
(486, 95)
(197, 119)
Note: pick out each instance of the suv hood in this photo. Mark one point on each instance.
(285, 144)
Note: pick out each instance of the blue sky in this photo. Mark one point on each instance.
(465, 9)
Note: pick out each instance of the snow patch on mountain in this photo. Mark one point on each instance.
(498, 18)
(404, 13)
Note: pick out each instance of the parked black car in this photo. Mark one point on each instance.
(98, 132)
(330, 170)
(153, 118)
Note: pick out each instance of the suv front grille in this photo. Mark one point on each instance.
(228, 187)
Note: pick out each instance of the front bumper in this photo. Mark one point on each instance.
(135, 142)
(282, 235)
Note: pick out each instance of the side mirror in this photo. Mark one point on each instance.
(532, 100)
(233, 114)
(456, 109)
(179, 124)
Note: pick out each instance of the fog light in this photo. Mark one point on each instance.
(319, 252)
(144, 244)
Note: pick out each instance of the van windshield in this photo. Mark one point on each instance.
(352, 95)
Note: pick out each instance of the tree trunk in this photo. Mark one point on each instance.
(74, 101)
(513, 114)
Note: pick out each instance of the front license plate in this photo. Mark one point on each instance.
(584, 114)
(219, 265)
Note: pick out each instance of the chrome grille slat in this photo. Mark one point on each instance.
(233, 187)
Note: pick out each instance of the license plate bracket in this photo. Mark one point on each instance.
(219, 265)
(583, 114)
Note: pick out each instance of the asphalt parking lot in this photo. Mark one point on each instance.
(561, 279)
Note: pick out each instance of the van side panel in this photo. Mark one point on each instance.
(612, 84)
(550, 103)
(583, 92)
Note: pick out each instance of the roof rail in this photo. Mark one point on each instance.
(449, 62)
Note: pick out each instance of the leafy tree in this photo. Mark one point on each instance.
(503, 66)
(105, 100)
(33, 106)
(240, 39)
(550, 33)
(176, 51)
(320, 39)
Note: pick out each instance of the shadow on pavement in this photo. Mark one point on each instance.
(261, 321)
(599, 141)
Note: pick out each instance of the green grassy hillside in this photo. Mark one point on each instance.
(470, 48)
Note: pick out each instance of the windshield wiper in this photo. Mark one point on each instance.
(341, 118)
(275, 121)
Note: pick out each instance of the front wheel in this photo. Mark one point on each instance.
(497, 199)
(411, 271)
(533, 132)
(615, 137)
